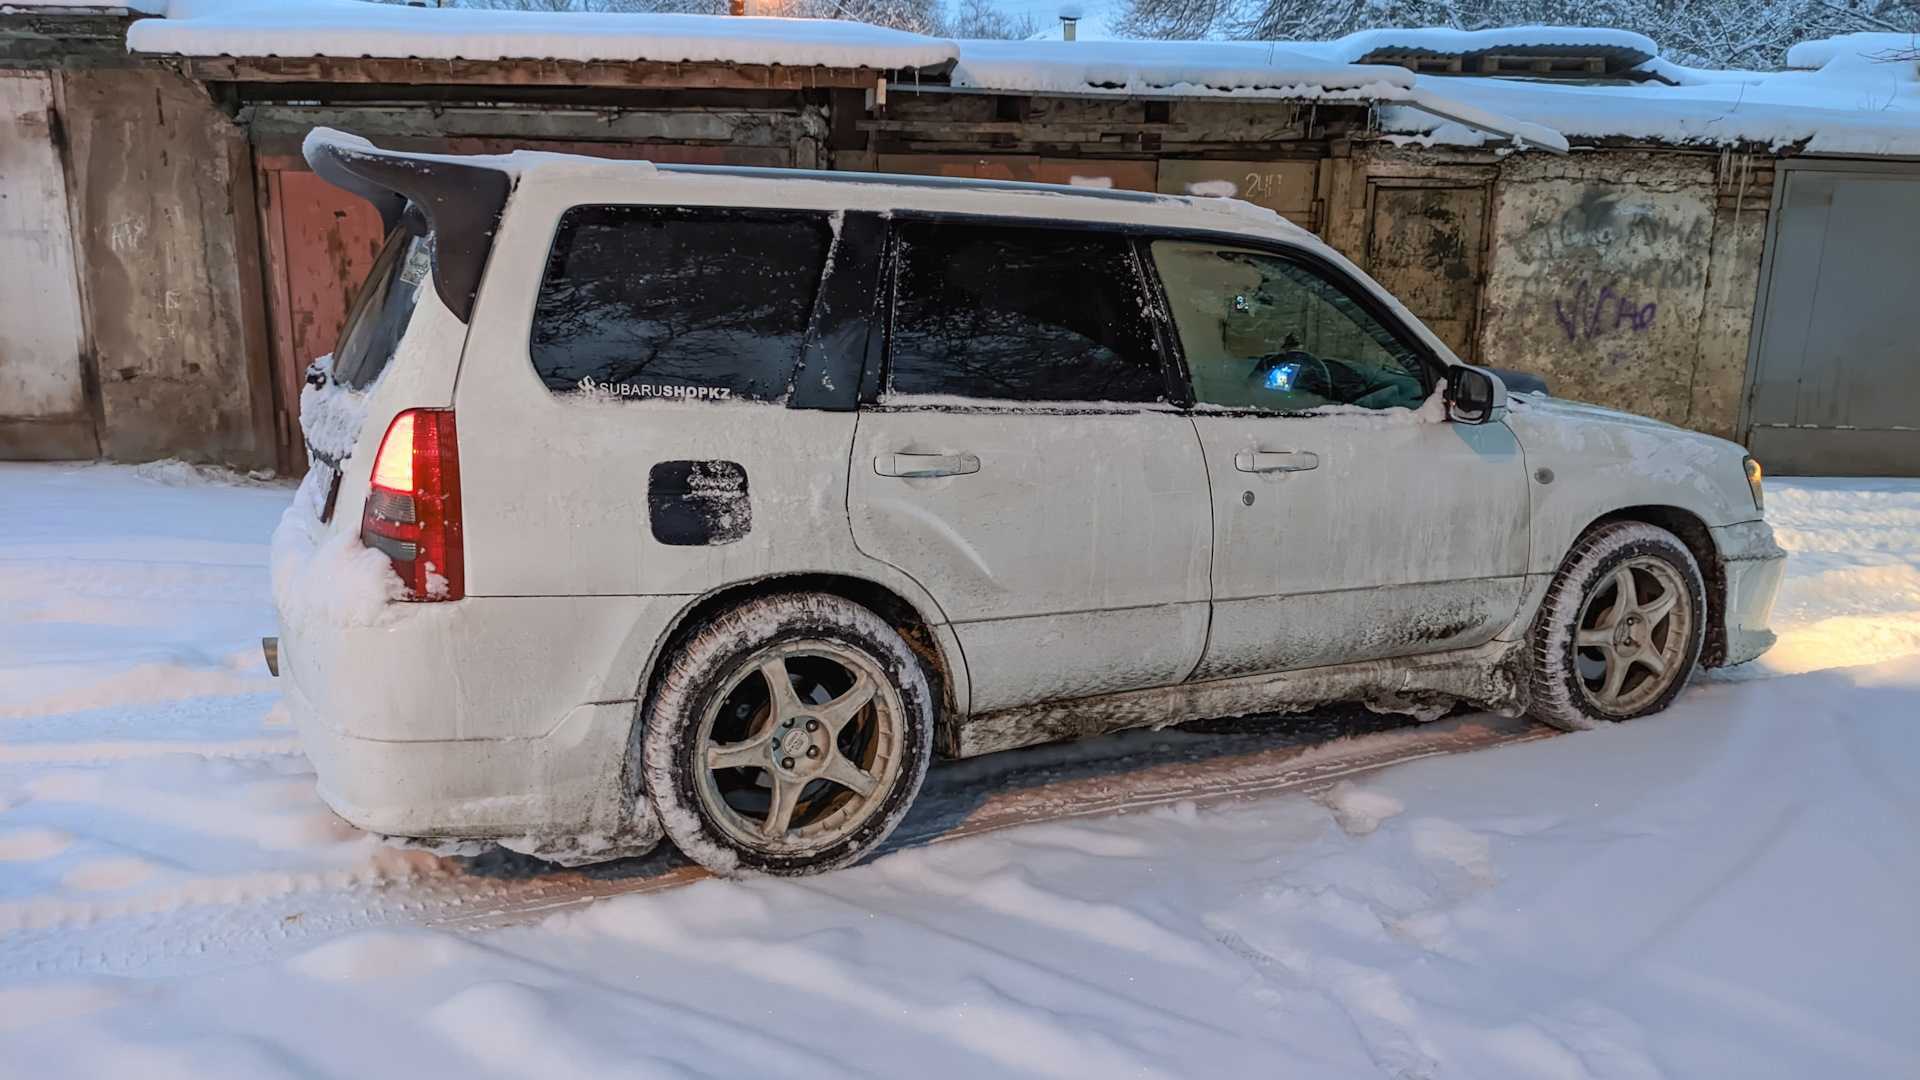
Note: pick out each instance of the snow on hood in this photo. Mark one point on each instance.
(1564, 408)
(352, 28)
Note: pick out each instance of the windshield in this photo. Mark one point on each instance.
(381, 311)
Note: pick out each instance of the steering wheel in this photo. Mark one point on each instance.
(1297, 371)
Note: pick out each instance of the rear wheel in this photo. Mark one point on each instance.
(787, 737)
(1620, 630)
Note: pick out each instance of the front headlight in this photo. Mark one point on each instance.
(1753, 483)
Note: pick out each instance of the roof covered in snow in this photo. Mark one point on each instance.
(1512, 40)
(350, 28)
(1168, 68)
(1861, 97)
(1858, 94)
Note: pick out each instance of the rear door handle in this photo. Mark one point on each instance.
(1268, 461)
(924, 465)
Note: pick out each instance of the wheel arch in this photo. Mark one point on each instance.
(1694, 533)
(945, 675)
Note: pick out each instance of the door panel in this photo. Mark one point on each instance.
(1349, 523)
(1406, 537)
(1073, 562)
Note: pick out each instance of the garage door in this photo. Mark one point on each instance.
(1836, 379)
(42, 398)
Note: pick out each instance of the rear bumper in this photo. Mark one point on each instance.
(488, 718)
(1754, 565)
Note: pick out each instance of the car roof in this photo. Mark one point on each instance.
(749, 185)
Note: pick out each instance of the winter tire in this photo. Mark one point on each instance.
(788, 736)
(1620, 629)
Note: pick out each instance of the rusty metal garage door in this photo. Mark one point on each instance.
(1834, 386)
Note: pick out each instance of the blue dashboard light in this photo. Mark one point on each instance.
(1281, 378)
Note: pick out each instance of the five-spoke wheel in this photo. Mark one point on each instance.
(1620, 630)
(787, 737)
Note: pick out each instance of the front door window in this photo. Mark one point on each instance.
(1261, 332)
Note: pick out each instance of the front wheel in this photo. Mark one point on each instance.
(789, 736)
(1620, 630)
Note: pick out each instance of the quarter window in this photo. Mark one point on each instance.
(1021, 314)
(1262, 332)
(647, 301)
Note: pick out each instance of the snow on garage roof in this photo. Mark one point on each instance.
(1211, 68)
(1438, 41)
(1855, 103)
(350, 28)
(1863, 99)
(1168, 67)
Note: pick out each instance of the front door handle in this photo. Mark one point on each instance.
(1269, 461)
(925, 465)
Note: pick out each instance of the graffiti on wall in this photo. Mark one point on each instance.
(1585, 313)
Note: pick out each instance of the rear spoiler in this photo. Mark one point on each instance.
(461, 197)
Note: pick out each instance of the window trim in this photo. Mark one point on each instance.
(876, 382)
(808, 339)
(1432, 368)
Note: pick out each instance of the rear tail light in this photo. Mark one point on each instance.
(413, 508)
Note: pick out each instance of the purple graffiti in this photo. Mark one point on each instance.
(1584, 315)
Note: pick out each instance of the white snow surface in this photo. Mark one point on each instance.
(1442, 40)
(352, 28)
(1862, 95)
(1861, 98)
(1727, 889)
(1170, 68)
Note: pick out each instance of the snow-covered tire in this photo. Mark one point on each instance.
(720, 741)
(1620, 630)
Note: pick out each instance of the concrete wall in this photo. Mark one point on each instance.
(163, 209)
(1627, 280)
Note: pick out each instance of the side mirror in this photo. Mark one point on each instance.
(1474, 395)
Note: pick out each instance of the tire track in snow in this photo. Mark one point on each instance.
(210, 923)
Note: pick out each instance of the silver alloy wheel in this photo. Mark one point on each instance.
(819, 742)
(1633, 635)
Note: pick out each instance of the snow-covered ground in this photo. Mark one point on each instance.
(1730, 889)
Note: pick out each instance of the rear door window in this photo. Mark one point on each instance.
(689, 303)
(1020, 313)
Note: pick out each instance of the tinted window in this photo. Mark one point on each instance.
(656, 302)
(1262, 332)
(1025, 314)
(382, 310)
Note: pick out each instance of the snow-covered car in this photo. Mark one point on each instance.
(714, 502)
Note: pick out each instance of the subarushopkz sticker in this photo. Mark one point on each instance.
(649, 390)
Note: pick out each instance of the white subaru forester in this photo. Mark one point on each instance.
(716, 501)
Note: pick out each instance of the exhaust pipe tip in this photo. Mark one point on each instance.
(270, 647)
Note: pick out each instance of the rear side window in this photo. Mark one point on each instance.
(1020, 313)
(702, 304)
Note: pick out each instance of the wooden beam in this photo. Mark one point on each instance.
(636, 75)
